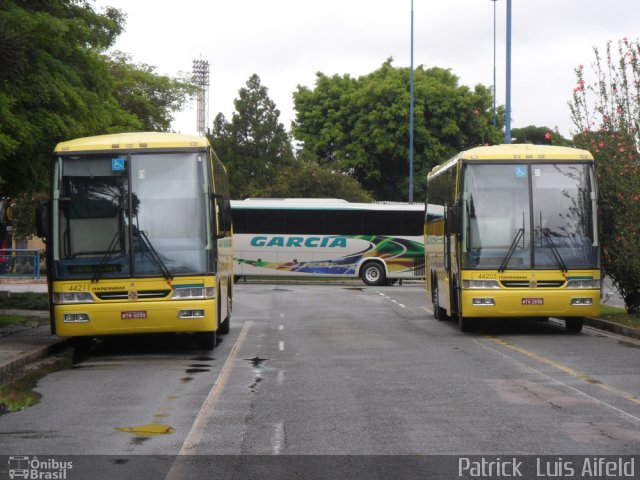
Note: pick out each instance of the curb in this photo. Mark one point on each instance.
(612, 327)
(30, 353)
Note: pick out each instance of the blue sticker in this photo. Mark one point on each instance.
(117, 164)
(521, 171)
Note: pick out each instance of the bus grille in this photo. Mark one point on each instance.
(142, 295)
(539, 283)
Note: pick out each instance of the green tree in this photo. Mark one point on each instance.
(306, 178)
(538, 136)
(150, 98)
(254, 145)
(360, 125)
(606, 114)
(54, 82)
(57, 82)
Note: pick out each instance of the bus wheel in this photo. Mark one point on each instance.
(573, 324)
(206, 340)
(372, 274)
(223, 328)
(438, 312)
(464, 323)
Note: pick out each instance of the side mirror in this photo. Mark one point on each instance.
(453, 219)
(223, 212)
(42, 219)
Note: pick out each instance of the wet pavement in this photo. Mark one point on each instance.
(25, 343)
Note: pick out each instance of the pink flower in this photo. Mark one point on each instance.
(547, 136)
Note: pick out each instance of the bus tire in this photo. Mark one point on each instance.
(574, 324)
(206, 340)
(465, 323)
(439, 313)
(223, 328)
(372, 274)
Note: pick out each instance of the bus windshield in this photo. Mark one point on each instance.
(529, 216)
(154, 202)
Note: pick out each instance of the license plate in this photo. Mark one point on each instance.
(533, 301)
(132, 315)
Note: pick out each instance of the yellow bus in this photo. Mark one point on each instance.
(519, 235)
(138, 231)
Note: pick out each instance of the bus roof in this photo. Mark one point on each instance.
(522, 151)
(321, 204)
(132, 140)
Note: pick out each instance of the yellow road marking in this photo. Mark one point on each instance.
(568, 370)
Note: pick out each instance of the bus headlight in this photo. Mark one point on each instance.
(591, 283)
(480, 284)
(193, 293)
(73, 297)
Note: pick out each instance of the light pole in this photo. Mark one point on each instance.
(411, 81)
(201, 78)
(507, 130)
(495, 118)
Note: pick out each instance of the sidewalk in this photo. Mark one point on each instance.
(22, 344)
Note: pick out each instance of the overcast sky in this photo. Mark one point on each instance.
(286, 42)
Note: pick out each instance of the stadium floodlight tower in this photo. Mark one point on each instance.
(201, 78)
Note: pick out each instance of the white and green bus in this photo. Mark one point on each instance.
(378, 242)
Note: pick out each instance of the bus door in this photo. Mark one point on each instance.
(452, 228)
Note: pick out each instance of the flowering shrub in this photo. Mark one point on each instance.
(606, 114)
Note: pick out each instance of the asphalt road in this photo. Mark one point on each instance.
(341, 370)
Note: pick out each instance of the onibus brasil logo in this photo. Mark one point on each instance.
(38, 469)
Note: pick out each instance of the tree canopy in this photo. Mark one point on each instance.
(360, 125)
(58, 82)
(257, 151)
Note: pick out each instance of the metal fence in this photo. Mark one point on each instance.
(20, 262)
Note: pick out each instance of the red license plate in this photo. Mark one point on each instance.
(132, 315)
(533, 301)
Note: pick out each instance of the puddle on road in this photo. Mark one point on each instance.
(256, 361)
(147, 431)
(197, 370)
(20, 393)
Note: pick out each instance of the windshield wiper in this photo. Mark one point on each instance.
(152, 252)
(554, 250)
(512, 249)
(105, 258)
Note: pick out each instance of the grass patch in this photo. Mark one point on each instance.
(620, 316)
(11, 319)
(26, 301)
